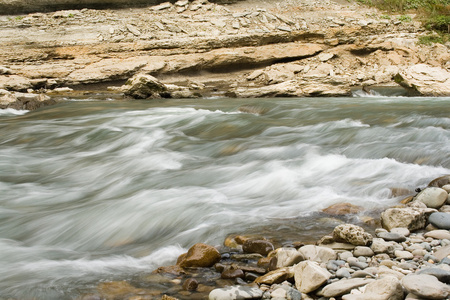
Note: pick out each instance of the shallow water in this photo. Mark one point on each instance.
(104, 190)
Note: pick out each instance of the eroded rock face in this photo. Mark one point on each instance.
(200, 255)
(425, 80)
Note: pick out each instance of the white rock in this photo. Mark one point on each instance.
(235, 293)
(425, 286)
(352, 234)
(403, 254)
(286, 257)
(309, 276)
(343, 286)
(432, 197)
(387, 288)
(317, 253)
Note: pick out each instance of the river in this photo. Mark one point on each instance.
(102, 190)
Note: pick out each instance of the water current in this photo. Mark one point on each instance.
(102, 190)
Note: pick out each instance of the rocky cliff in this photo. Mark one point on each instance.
(245, 49)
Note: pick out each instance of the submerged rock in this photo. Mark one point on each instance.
(339, 209)
(200, 255)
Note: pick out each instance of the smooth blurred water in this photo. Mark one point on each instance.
(103, 190)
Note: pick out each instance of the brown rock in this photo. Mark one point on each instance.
(190, 284)
(340, 209)
(276, 276)
(119, 289)
(200, 255)
(232, 273)
(174, 270)
(262, 247)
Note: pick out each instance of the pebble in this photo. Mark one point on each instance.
(392, 236)
(343, 273)
(440, 220)
(440, 274)
(403, 254)
(363, 251)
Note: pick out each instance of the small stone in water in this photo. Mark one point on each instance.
(190, 284)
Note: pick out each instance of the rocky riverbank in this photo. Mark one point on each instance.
(408, 258)
(202, 49)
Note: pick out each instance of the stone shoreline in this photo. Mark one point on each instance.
(288, 48)
(408, 258)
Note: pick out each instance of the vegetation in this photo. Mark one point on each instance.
(435, 14)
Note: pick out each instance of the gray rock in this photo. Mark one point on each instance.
(349, 233)
(235, 292)
(343, 286)
(432, 197)
(293, 294)
(309, 276)
(391, 236)
(358, 265)
(402, 231)
(440, 220)
(425, 286)
(440, 274)
(363, 251)
(343, 273)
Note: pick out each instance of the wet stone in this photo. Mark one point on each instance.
(262, 247)
(190, 284)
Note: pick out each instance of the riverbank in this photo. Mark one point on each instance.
(408, 258)
(201, 49)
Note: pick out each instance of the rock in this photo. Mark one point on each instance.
(118, 289)
(422, 79)
(190, 284)
(161, 6)
(143, 86)
(425, 286)
(391, 236)
(232, 273)
(343, 273)
(410, 218)
(27, 101)
(402, 231)
(363, 251)
(5, 71)
(15, 83)
(276, 276)
(440, 274)
(200, 255)
(317, 253)
(339, 209)
(440, 220)
(440, 181)
(387, 288)
(343, 286)
(262, 247)
(403, 254)
(279, 293)
(309, 276)
(433, 197)
(352, 234)
(235, 293)
(323, 57)
(286, 257)
(442, 253)
(381, 246)
(438, 234)
(133, 29)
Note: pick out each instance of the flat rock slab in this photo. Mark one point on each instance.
(343, 286)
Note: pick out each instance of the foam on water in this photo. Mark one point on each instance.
(105, 190)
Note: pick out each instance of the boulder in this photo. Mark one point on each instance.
(424, 80)
(343, 286)
(309, 276)
(387, 288)
(143, 86)
(286, 257)
(235, 292)
(433, 197)
(262, 247)
(408, 217)
(15, 83)
(353, 234)
(317, 253)
(440, 219)
(27, 101)
(200, 255)
(425, 286)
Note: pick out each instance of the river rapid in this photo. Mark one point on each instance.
(103, 190)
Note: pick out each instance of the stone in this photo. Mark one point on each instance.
(442, 253)
(422, 79)
(133, 29)
(441, 274)
(5, 71)
(323, 57)
(309, 276)
(381, 246)
(438, 234)
(143, 86)
(440, 181)
(190, 284)
(432, 197)
(232, 273)
(425, 286)
(200, 255)
(340, 209)
(118, 289)
(317, 253)
(403, 254)
(386, 288)
(445, 187)
(400, 230)
(27, 101)
(161, 6)
(343, 286)
(410, 218)
(343, 273)
(262, 247)
(276, 276)
(440, 220)
(235, 293)
(391, 236)
(286, 257)
(15, 83)
(352, 234)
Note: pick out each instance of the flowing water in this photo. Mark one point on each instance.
(103, 190)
